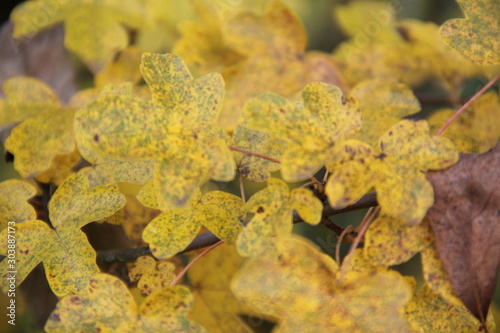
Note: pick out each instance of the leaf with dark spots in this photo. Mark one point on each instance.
(465, 221)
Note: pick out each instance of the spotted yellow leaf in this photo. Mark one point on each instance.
(14, 207)
(176, 129)
(477, 36)
(106, 305)
(301, 289)
(271, 225)
(172, 231)
(69, 260)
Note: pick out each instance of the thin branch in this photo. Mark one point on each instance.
(466, 105)
(188, 266)
(208, 239)
(254, 154)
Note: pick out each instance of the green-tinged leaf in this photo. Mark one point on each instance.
(14, 206)
(108, 306)
(75, 203)
(477, 37)
(177, 129)
(68, 258)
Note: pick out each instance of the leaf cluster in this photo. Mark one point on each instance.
(226, 93)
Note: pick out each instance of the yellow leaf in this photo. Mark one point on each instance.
(176, 129)
(26, 98)
(271, 225)
(251, 167)
(383, 103)
(477, 36)
(108, 306)
(68, 258)
(151, 275)
(215, 306)
(46, 129)
(172, 231)
(390, 241)
(95, 43)
(307, 205)
(364, 21)
(301, 289)
(37, 141)
(14, 207)
(62, 167)
(429, 312)
(202, 45)
(396, 173)
(351, 176)
(311, 128)
(124, 69)
(135, 218)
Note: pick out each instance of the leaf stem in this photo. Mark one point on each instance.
(188, 266)
(367, 220)
(466, 105)
(254, 154)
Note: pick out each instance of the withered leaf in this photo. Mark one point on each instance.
(465, 220)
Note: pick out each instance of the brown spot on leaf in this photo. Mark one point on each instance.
(260, 209)
(96, 138)
(464, 219)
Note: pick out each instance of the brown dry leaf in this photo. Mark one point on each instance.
(465, 221)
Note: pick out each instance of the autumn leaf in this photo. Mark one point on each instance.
(390, 241)
(310, 129)
(46, 128)
(402, 189)
(271, 225)
(176, 129)
(96, 44)
(429, 312)
(172, 231)
(274, 59)
(477, 36)
(301, 290)
(68, 258)
(215, 306)
(151, 276)
(14, 206)
(383, 103)
(107, 305)
(464, 219)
